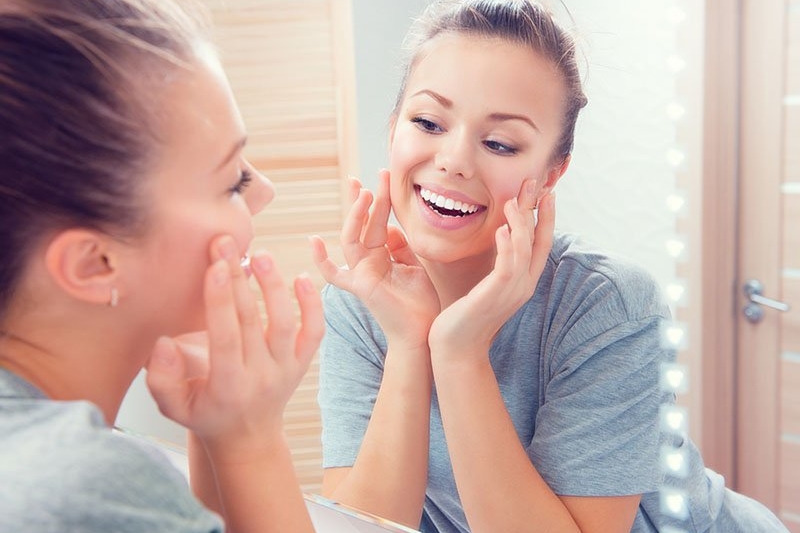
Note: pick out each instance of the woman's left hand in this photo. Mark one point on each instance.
(237, 400)
(523, 245)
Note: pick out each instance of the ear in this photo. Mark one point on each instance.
(82, 263)
(554, 174)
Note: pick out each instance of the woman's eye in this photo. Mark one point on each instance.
(245, 177)
(500, 148)
(427, 125)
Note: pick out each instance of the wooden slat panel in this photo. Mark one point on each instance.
(280, 60)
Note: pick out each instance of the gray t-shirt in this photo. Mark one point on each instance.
(578, 367)
(63, 470)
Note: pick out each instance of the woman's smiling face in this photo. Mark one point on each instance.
(478, 117)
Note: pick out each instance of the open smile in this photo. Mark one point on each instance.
(446, 206)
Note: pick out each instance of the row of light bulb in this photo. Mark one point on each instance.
(674, 379)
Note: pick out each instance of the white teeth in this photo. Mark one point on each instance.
(448, 203)
(245, 262)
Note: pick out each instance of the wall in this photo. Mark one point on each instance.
(621, 173)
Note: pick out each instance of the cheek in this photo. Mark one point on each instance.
(409, 148)
(507, 179)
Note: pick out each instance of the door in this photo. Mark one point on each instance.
(767, 399)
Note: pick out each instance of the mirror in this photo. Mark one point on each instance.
(636, 160)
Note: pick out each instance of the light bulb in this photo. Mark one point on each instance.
(675, 111)
(675, 292)
(674, 461)
(676, 247)
(674, 503)
(674, 378)
(673, 335)
(673, 419)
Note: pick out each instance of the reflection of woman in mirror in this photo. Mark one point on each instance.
(481, 372)
(125, 211)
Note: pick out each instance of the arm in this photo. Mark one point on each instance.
(389, 475)
(201, 478)
(478, 426)
(475, 418)
(236, 408)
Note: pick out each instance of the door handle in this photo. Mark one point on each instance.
(753, 310)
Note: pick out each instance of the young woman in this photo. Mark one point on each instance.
(125, 213)
(479, 372)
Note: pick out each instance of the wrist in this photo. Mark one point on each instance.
(245, 449)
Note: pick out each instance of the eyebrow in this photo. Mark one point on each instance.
(497, 117)
(237, 147)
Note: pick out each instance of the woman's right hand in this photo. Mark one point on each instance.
(382, 270)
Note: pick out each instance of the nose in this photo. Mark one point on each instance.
(260, 192)
(455, 156)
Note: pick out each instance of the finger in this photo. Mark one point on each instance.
(353, 227)
(280, 309)
(504, 262)
(330, 271)
(247, 313)
(165, 380)
(193, 348)
(319, 254)
(527, 197)
(312, 321)
(520, 225)
(399, 248)
(527, 200)
(543, 238)
(222, 322)
(375, 231)
(353, 187)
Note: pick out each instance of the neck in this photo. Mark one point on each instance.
(69, 361)
(454, 280)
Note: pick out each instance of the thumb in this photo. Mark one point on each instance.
(165, 378)
(398, 246)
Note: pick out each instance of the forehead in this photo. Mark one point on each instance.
(200, 120)
(494, 73)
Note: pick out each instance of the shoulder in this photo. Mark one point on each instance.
(580, 272)
(70, 467)
(333, 296)
(345, 313)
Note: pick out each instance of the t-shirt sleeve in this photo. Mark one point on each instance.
(597, 431)
(351, 369)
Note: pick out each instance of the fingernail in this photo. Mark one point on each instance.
(220, 274)
(261, 263)
(227, 248)
(305, 284)
(163, 353)
(531, 190)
